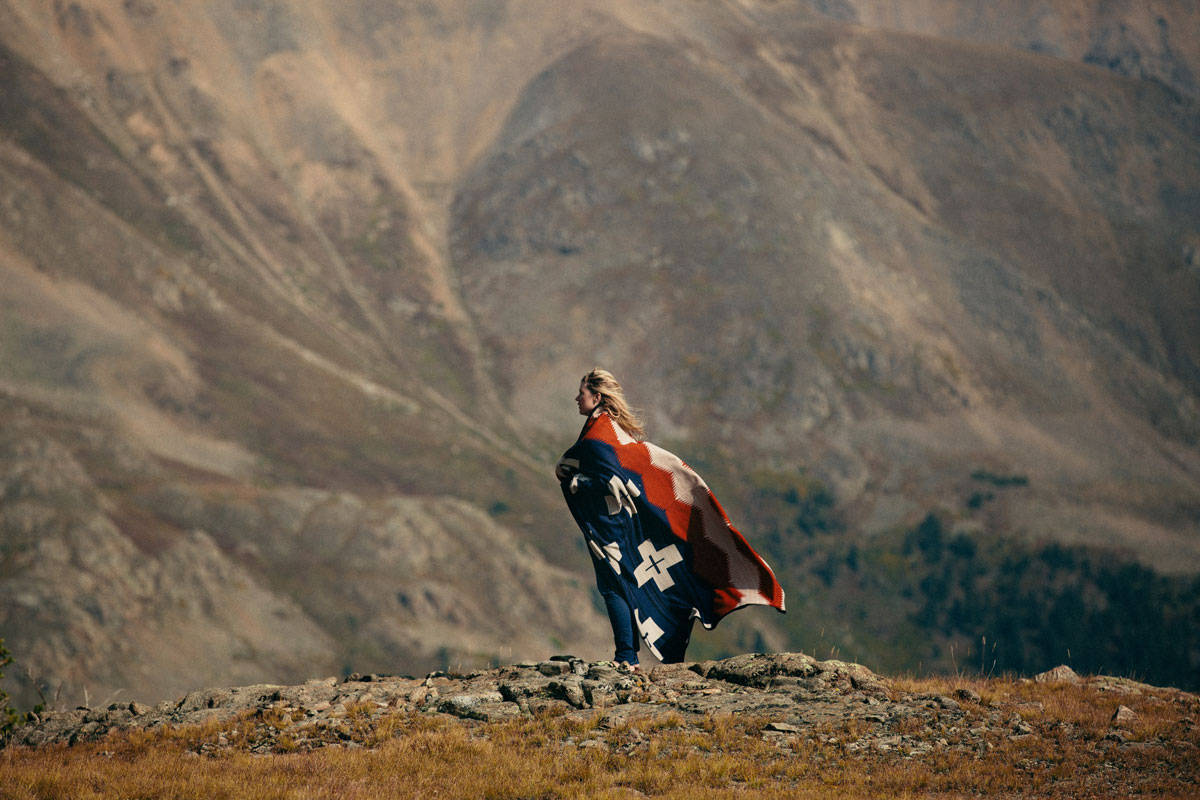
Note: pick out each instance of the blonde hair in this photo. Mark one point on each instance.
(612, 399)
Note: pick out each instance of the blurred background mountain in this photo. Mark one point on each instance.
(295, 297)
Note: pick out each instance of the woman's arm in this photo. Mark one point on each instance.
(588, 472)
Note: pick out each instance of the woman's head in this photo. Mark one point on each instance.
(600, 388)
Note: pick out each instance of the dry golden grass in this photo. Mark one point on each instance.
(1084, 706)
(400, 756)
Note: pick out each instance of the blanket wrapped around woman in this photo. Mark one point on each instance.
(653, 521)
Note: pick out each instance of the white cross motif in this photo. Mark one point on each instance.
(651, 633)
(655, 564)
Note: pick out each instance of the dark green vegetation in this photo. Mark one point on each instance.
(949, 595)
(1026, 607)
(9, 716)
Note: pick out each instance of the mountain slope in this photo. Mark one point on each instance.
(293, 291)
(885, 266)
(1142, 40)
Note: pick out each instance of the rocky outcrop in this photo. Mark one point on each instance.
(795, 690)
(794, 694)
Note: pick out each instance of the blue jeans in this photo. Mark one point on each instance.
(620, 615)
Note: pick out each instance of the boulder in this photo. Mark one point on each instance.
(1060, 674)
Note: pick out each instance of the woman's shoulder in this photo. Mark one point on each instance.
(606, 428)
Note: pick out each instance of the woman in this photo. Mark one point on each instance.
(664, 552)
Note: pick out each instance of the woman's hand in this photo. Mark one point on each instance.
(565, 468)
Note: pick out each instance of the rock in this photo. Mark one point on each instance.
(571, 691)
(888, 743)
(205, 698)
(1106, 683)
(496, 712)
(666, 670)
(1124, 715)
(603, 672)
(598, 694)
(1060, 674)
(486, 706)
(969, 695)
(422, 696)
(759, 670)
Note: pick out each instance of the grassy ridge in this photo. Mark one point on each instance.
(1074, 752)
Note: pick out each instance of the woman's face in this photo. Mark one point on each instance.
(587, 400)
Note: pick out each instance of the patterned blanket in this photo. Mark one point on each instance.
(654, 522)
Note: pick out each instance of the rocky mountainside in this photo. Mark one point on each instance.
(295, 297)
(288, 581)
(890, 274)
(1141, 40)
